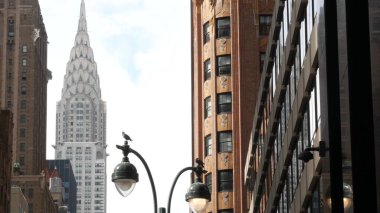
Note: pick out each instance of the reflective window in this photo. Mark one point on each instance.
(264, 25)
(224, 65)
(206, 32)
(207, 107)
(225, 182)
(224, 102)
(225, 141)
(207, 69)
(223, 27)
(208, 145)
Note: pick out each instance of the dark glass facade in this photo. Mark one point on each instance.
(319, 83)
(65, 171)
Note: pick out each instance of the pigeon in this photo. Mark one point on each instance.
(126, 137)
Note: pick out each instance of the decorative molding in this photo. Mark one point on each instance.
(224, 120)
(225, 197)
(207, 123)
(223, 45)
(212, 4)
(212, 24)
(206, 86)
(225, 159)
(205, 48)
(35, 35)
(223, 81)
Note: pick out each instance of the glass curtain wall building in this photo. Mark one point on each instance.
(310, 96)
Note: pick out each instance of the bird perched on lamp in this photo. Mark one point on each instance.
(126, 137)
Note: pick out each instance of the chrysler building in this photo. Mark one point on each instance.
(81, 123)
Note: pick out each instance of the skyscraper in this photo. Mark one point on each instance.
(23, 91)
(228, 44)
(81, 123)
(23, 80)
(315, 144)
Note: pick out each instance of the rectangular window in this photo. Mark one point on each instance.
(224, 65)
(206, 32)
(22, 119)
(207, 69)
(22, 147)
(208, 178)
(264, 25)
(223, 27)
(30, 193)
(23, 75)
(22, 161)
(225, 141)
(24, 48)
(225, 183)
(30, 207)
(23, 90)
(224, 102)
(11, 27)
(208, 145)
(262, 59)
(24, 62)
(22, 132)
(208, 107)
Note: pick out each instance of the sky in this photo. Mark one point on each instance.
(142, 51)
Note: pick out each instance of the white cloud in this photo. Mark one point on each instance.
(155, 108)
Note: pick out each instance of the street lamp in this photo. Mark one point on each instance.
(125, 177)
(306, 154)
(347, 196)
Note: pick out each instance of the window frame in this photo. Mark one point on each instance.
(225, 142)
(208, 145)
(225, 180)
(206, 32)
(223, 30)
(207, 69)
(208, 107)
(208, 181)
(223, 68)
(224, 103)
(264, 25)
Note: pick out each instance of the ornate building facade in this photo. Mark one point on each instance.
(81, 123)
(228, 43)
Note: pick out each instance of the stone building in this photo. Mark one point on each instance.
(229, 40)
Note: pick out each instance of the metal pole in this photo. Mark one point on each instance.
(175, 181)
(150, 178)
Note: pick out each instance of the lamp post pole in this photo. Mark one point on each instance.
(198, 171)
(126, 150)
(125, 177)
(150, 178)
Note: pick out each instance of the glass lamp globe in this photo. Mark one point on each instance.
(198, 204)
(347, 196)
(125, 177)
(198, 196)
(125, 186)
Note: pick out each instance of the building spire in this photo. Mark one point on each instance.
(81, 71)
(82, 26)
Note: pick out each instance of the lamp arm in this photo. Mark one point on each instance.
(150, 177)
(175, 181)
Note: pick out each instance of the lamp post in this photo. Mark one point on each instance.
(125, 177)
